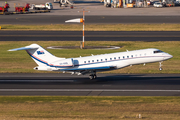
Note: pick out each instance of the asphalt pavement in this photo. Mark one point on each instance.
(100, 19)
(90, 36)
(104, 85)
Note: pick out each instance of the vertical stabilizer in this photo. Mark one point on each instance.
(41, 56)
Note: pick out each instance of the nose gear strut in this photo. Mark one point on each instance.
(160, 65)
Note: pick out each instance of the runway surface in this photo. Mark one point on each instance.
(104, 85)
(89, 36)
(60, 19)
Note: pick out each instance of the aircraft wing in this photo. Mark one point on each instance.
(92, 68)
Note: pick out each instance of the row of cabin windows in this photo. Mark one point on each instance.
(101, 60)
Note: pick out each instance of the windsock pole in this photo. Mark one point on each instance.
(80, 20)
(83, 25)
(83, 29)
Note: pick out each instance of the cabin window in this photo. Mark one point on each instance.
(144, 54)
(132, 56)
(119, 57)
(140, 55)
(114, 58)
(110, 58)
(92, 60)
(123, 57)
(89, 61)
(84, 61)
(101, 59)
(105, 59)
(158, 51)
(97, 60)
(127, 56)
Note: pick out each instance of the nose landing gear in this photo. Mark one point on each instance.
(160, 65)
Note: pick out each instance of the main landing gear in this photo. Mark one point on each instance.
(92, 76)
(160, 65)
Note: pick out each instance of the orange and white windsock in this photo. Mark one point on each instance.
(77, 20)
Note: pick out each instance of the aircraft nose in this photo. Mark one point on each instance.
(167, 56)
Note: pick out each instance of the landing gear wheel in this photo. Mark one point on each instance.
(160, 68)
(94, 76)
(91, 77)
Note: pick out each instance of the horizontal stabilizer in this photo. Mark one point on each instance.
(32, 46)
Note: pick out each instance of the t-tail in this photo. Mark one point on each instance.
(41, 56)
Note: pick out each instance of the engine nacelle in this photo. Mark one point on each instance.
(64, 62)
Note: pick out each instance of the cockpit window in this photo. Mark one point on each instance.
(158, 51)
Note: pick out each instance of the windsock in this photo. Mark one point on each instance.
(78, 20)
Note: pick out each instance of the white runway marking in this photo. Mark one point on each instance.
(81, 90)
(36, 80)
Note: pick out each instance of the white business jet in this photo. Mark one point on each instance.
(95, 63)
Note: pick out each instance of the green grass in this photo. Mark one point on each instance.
(89, 108)
(47, 99)
(96, 27)
(20, 61)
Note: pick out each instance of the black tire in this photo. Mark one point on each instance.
(91, 77)
(108, 5)
(94, 76)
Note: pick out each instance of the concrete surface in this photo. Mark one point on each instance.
(99, 9)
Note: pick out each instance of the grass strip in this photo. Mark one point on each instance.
(89, 108)
(20, 61)
(96, 27)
